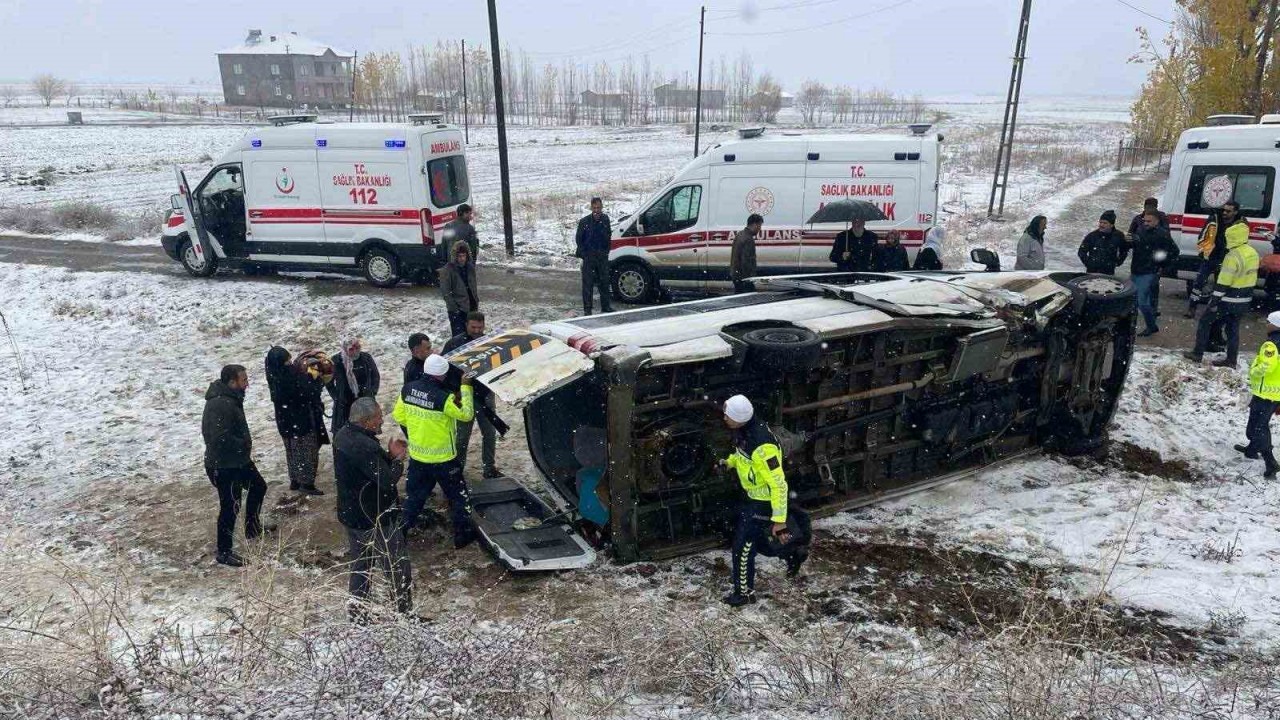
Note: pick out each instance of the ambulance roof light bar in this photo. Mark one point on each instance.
(919, 128)
(282, 120)
(746, 133)
(429, 118)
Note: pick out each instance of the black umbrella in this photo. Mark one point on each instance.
(847, 210)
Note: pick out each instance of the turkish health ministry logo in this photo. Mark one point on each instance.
(760, 201)
(284, 181)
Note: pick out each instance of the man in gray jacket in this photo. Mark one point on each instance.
(462, 229)
(1031, 245)
(742, 258)
(458, 286)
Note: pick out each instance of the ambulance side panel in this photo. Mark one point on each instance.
(365, 185)
(282, 197)
(773, 190)
(674, 240)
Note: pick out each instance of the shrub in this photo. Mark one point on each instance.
(84, 215)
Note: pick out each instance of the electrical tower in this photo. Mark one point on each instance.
(1005, 153)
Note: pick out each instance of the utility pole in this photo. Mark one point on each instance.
(507, 233)
(1005, 152)
(466, 122)
(351, 108)
(697, 113)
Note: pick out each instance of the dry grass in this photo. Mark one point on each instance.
(81, 216)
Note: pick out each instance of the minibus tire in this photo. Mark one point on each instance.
(187, 256)
(381, 268)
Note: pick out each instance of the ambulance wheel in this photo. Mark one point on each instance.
(193, 264)
(634, 283)
(381, 268)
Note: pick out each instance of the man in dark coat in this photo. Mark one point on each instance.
(742, 256)
(854, 249)
(355, 375)
(592, 242)
(1104, 249)
(491, 426)
(1153, 250)
(1135, 226)
(419, 349)
(462, 229)
(228, 462)
(369, 506)
(891, 256)
(458, 287)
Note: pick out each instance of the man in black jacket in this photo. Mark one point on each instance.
(1153, 249)
(491, 426)
(891, 256)
(1104, 249)
(854, 250)
(227, 460)
(369, 506)
(1135, 225)
(593, 242)
(419, 350)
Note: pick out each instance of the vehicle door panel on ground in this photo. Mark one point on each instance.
(892, 186)
(286, 223)
(221, 203)
(775, 191)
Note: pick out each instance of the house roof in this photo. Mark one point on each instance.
(285, 43)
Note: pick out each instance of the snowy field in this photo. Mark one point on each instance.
(556, 169)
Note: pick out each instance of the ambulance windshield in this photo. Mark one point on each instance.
(448, 179)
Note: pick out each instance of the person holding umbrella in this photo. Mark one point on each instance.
(854, 249)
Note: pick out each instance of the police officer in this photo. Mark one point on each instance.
(1232, 295)
(758, 461)
(1264, 383)
(429, 415)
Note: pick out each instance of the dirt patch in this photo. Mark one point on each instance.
(1130, 458)
(962, 592)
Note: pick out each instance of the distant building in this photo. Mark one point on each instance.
(672, 96)
(285, 71)
(592, 99)
(438, 100)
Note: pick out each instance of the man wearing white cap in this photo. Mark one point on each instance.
(758, 461)
(1264, 383)
(429, 414)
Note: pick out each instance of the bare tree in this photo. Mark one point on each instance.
(9, 94)
(811, 99)
(71, 91)
(48, 87)
(766, 101)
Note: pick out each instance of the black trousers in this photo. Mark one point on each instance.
(231, 484)
(1259, 428)
(380, 546)
(1224, 314)
(421, 482)
(743, 286)
(457, 323)
(595, 275)
(750, 534)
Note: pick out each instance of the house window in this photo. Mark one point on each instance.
(238, 69)
(304, 70)
(278, 93)
(275, 69)
(306, 91)
(240, 90)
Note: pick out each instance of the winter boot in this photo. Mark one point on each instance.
(1193, 356)
(310, 490)
(1247, 451)
(736, 599)
(1226, 363)
(230, 559)
(491, 473)
(796, 559)
(1271, 465)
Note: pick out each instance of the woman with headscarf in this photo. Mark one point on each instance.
(930, 256)
(295, 392)
(355, 375)
(1031, 245)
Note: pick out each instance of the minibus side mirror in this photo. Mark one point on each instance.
(986, 258)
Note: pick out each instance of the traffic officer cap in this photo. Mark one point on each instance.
(738, 409)
(435, 366)
(1274, 318)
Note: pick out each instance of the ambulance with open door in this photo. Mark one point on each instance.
(366, 198)
(1214, 164)
(682, 236)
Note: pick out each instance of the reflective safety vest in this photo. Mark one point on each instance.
(758, 461)
(430, 416)
(1239, 273)
(1264, 373)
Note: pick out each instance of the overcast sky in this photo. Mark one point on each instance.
(934, 47)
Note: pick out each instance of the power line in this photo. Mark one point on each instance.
(1144, 12)
(771, 8)
(610, 46)
(828, 23)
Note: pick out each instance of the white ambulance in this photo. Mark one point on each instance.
(303, 195)
(1212, 165)
(683, 235)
